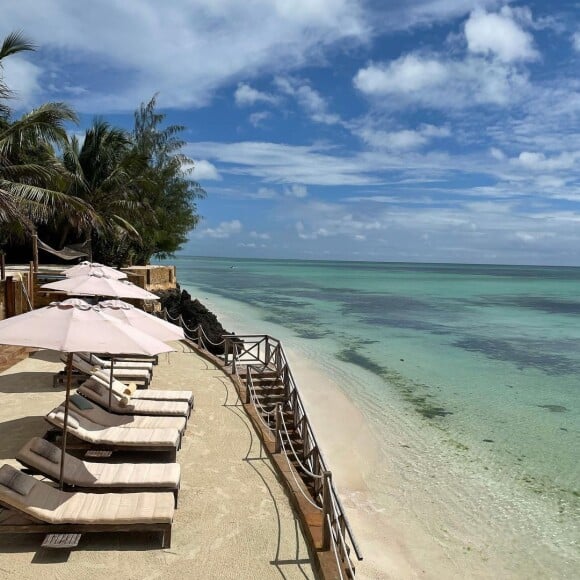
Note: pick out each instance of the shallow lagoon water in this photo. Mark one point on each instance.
(487, 355)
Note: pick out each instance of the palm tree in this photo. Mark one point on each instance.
(28, 163)
(103, 172)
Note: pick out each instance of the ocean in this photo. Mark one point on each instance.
(485, 360)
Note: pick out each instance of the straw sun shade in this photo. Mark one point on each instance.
(75, 326)
(137, 318)
(85, 268)
(98, 284)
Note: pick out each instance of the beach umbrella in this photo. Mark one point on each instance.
(98, 284)
(157, 327)
(72, 326)
(85, 268)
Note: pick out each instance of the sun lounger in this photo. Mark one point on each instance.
(148, 394)
(32, 506)
(43, 457)
(125, 405)
(104, 363)
(96, 414)
(129, 375)
(86, 434)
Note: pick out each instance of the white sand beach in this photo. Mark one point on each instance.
(234, 519)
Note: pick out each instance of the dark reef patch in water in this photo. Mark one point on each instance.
(409, 390)
(523, 353)
(554, 408)
(540, 303)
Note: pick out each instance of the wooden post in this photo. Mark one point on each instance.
(31, 284)
(248, 383)
(226, 350)
(278, 447)
(326, 509)
(267, 351)
(9, 297)
(2, 266)
(35, 251)
(199, 335)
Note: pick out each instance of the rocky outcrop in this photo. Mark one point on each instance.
(179, 302)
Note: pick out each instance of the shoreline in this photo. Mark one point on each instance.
(401, 493)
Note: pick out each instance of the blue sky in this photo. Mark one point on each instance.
(340, 129)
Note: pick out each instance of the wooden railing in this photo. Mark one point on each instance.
(267, 353)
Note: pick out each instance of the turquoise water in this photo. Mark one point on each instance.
(488, 355)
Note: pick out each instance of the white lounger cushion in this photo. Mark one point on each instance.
(94, 359)
(91, 474)
(53, 506)
(96, 434)
(87, 368)
(148, 394)
(96, 392)
(102, 417)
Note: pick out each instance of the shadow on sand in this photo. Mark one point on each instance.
(14, 434)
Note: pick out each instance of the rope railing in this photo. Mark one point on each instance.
(313, 462)
(300, 464)
(300, 484)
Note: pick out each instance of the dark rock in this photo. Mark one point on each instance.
(178, 302)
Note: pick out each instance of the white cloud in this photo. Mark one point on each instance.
(205, 171)
(401, 140)
(576, 41)
(222, 231)
(295, 190)
(264, 193)
(497, 153)
(190, 47)
(408, 73)
(539, 162)
(308, 98)
(22, 77)
(256, 119)
(259, 236)
(432, 81)
(246, 96)
(499, 35)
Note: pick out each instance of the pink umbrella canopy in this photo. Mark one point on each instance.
(75, 326)
(85, 268)
(97, 284)
(137, 318)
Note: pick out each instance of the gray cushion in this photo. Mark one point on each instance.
(16, 480)
(80, 402)
(46, 449)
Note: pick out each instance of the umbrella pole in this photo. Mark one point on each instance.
(65, 423)
(111, 381)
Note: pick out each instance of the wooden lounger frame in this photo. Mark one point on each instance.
(16, 522)
(102, 489)
(74, 442)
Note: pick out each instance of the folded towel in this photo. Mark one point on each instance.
(124, 400)
(130, 389)
(47, 450)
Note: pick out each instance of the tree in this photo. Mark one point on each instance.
(103, 172)
(166, 191)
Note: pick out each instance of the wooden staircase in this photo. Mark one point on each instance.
(269, 391)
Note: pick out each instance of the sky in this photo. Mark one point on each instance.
(424, 131)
